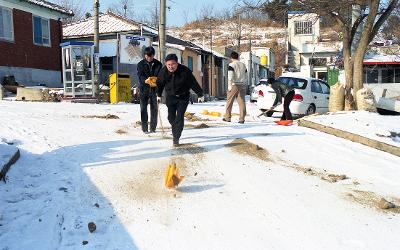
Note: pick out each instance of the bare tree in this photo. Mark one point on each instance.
(123, 8)
(391, 29)
(75, 6)
(367, 23)
(185, 14)
(151, 15)
(206, 11)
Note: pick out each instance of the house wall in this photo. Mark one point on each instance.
(296, 41)
(196, 67)
(214, 74)
(29, 63)
(253, 77)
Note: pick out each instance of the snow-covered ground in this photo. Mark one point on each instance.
(371, 125)
(6, 152)
(299, 189)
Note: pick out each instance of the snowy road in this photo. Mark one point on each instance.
(286, 193)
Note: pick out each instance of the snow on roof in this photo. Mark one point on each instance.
(51, 6)
(215, 53)
(108, 23)
(171, 45)
(381, 59)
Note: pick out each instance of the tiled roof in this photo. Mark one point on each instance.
(51, 6)
(108, 23)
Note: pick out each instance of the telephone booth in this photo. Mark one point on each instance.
(78, 69)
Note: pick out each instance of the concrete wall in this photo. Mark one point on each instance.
(33, 77)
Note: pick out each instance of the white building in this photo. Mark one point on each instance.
(253, 67)
(307, 53)
(269, 54)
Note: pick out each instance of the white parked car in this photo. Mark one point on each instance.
(311, 95)
(254, 90)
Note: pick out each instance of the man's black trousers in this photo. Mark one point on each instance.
(144, 101)
(176, 113)
(287, 115)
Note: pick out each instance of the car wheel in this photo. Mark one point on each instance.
(252, 100)
(310, 109)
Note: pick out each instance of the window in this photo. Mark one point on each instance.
(303, 28)
(397, 75)
(325, 87)
(387, 76)
(318, 61)
(316, 87)
(106, 63)
(41, 31)
(372, 75)
(6, 24)
(190, 63)
(296, 83)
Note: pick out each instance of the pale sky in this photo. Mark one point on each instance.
(175, 15)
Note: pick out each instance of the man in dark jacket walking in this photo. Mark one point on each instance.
(177, 80)
(147, 70)
(282, 91)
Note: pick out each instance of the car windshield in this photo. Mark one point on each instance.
(297, 83)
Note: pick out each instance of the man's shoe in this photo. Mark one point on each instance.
(175, 142)
(152, 131)
(226, 120)
(146, 132)
(241, 122)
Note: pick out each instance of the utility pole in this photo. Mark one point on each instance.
(96, 45)
(250, 62)
(212, 57)
(239, 31)
(161, 30)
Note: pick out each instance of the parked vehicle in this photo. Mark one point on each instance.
(254, 90)
(311, 95)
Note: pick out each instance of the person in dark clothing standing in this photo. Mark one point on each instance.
(177, 80)
(147, 70)
(282, 91)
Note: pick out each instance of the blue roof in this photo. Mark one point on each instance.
(77, 43)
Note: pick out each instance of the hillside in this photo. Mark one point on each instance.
(226, 33)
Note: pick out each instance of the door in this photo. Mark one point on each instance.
(325, 96)
(317, 96)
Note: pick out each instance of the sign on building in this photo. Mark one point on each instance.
(132, 48)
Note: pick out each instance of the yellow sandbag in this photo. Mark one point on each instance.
(366, 100)
(152, 81)
(205, 112)
(336, 99)
(215, 113)
(172, 177)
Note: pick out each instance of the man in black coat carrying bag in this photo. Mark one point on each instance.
(147, 70)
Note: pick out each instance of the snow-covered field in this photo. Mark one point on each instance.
(298, 189)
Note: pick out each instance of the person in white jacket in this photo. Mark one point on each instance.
(237, 79)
